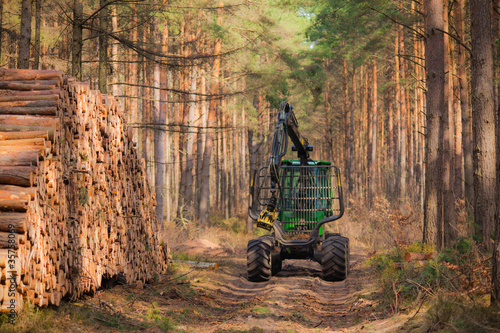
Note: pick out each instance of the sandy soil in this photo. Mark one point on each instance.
(295, 300)
(223, 300)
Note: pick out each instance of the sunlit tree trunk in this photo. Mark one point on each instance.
(115, 88)
(38, 15)
(103, 46)
(446, 142)
(350, 159)
(373, 152)
(160, 119)
(483, 119)
(76, 57)
(434, 55)
(464, 103)
(403, 114)
(23, 60)
(214, 86)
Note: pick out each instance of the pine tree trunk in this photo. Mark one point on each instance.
(390, 179)
(350, 160)
(464, 104)
(38, 15)
(434, 55)
(103, 46)
(23, 60)
(402, 116)
(374, 167)
(214, 87)
(446, 143)
(483, 120)
(159, 119)
(495, 271)
(115, 88)
(77, 45)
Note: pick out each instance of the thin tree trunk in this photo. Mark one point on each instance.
(115, 88)
(23, 60)
(483, 119)
(402, 116)
(495, 271)
(160, 119)
(374, 167)
(214, 87)
(350, 171)
(38, 15)
(434, 55)
(134, 69)
(76, 56)
(464, 104)
(446, 143)
(103, 46)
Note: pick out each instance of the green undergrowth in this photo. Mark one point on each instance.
(452, 284)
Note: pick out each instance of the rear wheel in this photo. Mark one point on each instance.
(276, 263)
(335, 258)
(259, 263)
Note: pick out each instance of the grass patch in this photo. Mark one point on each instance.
(261, 309)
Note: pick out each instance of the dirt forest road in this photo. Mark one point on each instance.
(295, 300)
(223, 300)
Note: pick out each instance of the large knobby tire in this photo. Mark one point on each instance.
(259, 265)
(335, 258)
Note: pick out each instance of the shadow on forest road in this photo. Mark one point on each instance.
(295, 300)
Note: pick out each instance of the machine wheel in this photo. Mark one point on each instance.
(276, 263)
(335, 258)
(259, 265)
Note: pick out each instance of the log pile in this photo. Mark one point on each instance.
(75, 204)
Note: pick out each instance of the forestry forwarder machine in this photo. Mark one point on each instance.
(296, 198)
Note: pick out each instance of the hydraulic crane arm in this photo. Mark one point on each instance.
(287, 126)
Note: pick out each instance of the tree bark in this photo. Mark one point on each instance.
(103, 46)
(434, 55)
(483, 120)
(373, 152)
(464, 104)
(38, 14)
(446, 119)
(350, 160)
(23, 60)
(76, 56)
(214, 87)
(159, 118)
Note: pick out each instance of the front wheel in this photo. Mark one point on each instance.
(335, 258)
(259, 265)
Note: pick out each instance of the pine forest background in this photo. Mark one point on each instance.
(383, 89)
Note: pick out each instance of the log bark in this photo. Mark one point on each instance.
(23, 135)
(17, 175)
(13, 221)
(16, 239)
(28, 121)
(19, 158)
(30, 75)
(26, 86)
(30, 110)
(19, 95)
(23, 142)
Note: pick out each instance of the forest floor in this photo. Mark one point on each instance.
(223, 300)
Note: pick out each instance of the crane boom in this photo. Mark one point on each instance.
(287, 127)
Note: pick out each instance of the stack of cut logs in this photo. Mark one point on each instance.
(75, 204)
